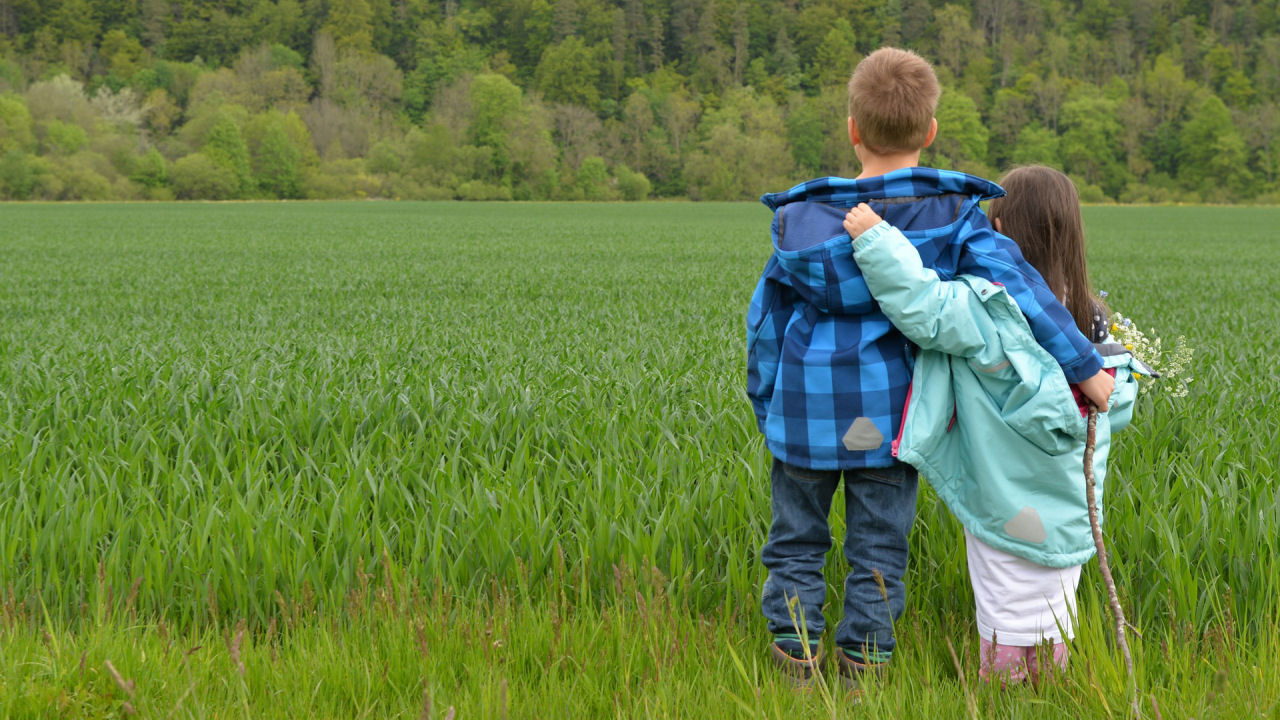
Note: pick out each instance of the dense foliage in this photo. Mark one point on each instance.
(1140, 100)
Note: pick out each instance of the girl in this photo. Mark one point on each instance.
(991, 420)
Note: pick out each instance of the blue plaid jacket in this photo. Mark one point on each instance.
(827, 373)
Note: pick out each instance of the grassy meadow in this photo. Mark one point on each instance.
(408, 459)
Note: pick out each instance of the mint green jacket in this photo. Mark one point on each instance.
(991, 421)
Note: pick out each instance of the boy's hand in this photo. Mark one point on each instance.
(860, 219)
(1098, 389)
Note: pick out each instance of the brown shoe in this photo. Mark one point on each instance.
(801, 670)
(854, 673)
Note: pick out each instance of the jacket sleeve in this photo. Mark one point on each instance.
(1125, 395)
(933, 313)
(764, 345)
(990, 255)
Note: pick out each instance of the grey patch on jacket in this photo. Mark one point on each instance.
(862, 435)
(1026, 525)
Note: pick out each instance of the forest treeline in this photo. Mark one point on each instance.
(1139, 100)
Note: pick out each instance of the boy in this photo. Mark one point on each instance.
(828, 375)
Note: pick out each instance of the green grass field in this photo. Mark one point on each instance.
(383, 460)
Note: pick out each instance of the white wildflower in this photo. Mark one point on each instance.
(1173, 365)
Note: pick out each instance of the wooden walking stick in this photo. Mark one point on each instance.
(1116, 611)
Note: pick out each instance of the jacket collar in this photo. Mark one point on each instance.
(907, 182)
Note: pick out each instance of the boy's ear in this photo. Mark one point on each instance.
(995, 222)
(854, 139)
(933, 133)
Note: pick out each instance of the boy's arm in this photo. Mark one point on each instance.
(765, 328)
(764, 348)
(933, 313)
(995, 257)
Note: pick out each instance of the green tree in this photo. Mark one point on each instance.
(644, 143)
(151, 170)
(836, 55)
(441, 57)
(18, 175)
(1090, 146)
(15, 124)
(1011, 112)
(568, 72)
(123, 53)
(1213, 156)
(785, 62)
(77, 177)
(1166, 89)
(73, 21)
(63, 138)
(812, 26)
(350, 23)
(1036, 145)
(631, 184)
(282, 22)
(225, 146)
(1237, 89)
(277, 165)
(532, 152)
(961, 142)
(495, 106)
(805, 135)
(593, 179)
(742, 153)
(956, 39)
(199, 177)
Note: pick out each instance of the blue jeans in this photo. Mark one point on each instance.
(880, 506)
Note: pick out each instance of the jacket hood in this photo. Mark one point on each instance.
(814, 254)
(914, 182)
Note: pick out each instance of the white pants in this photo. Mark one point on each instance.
(1019, 602)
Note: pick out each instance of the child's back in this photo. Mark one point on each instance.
(998, 431)
(828, 374)
(830, 397)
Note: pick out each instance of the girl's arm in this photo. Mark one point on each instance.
(994, 257)
(933, 313)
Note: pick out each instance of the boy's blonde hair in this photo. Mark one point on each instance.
(892, 97)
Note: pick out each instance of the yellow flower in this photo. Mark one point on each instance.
(1128, 346)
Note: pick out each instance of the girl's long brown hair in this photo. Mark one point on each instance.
(1041, 213)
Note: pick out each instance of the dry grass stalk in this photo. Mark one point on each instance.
(271, 637)
(420, 631)
(132, 598)
(1103, 565)
(969, 700)
(125, 686)
(388, 590)
(234, 647)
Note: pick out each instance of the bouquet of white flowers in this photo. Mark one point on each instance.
(1171, 365)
